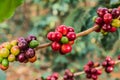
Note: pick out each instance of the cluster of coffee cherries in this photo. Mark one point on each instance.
(107, 20)
(91, 71)
(54, 76)
(21, 50)
(68, 75)
(62, 39)
(108, 64)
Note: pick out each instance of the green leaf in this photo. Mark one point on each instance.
(7, 8)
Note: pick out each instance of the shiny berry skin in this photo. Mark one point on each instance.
(21, 39)
(33, 59)
(115, 13)
(107, 18)
(106, 27)
(71, 36)
(4, 52)
(51, 36)
(118, 57)
(5, 62)
(62, 29)
(88, 76)
(109, 69)
(33, 44)
(58, 36)
(99, 21)
(108, 58)
(102, 11)
(21, 57)
(15, 50)
(22, 44)
(64, 40)
(66, 48)
(30, 53)
(111, 63)
(113, 29)
(90, 63)
(31, 37)
(104, 64)
(70, 29)
(94, 77)
(11, 58)
(55, 46)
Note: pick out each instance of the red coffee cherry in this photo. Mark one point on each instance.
(107, 18)
(71, 36)
(102, 11)
(66, 48)
(62, 29)
(55, 46)
(99, 21)
(70, 29)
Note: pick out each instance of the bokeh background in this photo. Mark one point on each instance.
(38, 17)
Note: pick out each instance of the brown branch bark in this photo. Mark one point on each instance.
(86, 32)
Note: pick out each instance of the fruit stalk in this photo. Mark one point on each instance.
(86, 32)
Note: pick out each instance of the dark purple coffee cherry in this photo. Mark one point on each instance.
(22, 44)
(31, 37)
(30, 53)
(21, 57)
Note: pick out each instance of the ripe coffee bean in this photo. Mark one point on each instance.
(99, 21)
(51, 36)
(22, 44)
(64, 40)
(115, 13)
(108, 58)
(113, 29)
(107, 18)
(62, 29)
(58, 36)
(30, 53)
(70, 29)
(31, 37)
(102, 11)
(33, 59)
(3, 67)
(111, 63)
(118, 57)
(104, 64)
(109, 69)
(71, 36)
(90, 63)
(66, 48)
(55, 46)
(21, 57)
(106, 27)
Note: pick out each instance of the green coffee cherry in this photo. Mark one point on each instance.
(1, 59)
(5, 62)
(64, 40)
(33, 44)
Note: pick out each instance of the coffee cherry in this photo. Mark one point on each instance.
(31, 37)
(90, 63)
(33, 44)
(1, 59)
(111, 63)
(62, 29)
(70, 29)
(94, 77)
(106, 27)
(113, 29)
(51, 36)
(14, 42)
(5, 62)
(55, 46)
(4, 52)
(58, 36)
(30, 53)
(64, 40)
(118, 57)
(21, 39)
(88, 76)
(115, 13)
(71, 42)
(99, 21)
(102, 11)
(66, 48)
(108, 58)
(107, 18)
(109, 69)
(21, 57)
(115, 23)
(22, 44)
(33, 59)
(15, 50)
(11, 58)
(104, 64)
(7, 45)
(71, 36)
(3, 67)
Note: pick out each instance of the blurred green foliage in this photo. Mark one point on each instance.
(39, 17)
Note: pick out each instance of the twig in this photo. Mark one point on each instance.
(86, 32)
